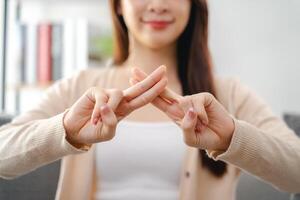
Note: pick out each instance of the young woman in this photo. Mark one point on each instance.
(123, 134)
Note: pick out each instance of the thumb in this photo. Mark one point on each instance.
(188, 126)
(109, 121)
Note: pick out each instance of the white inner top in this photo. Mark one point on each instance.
(143, 161)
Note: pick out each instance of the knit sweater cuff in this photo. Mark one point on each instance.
(243, 145)
(56, 138)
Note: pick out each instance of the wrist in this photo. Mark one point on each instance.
(69, 133)
(66, 125)
(229, 134)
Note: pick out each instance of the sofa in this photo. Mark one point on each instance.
(42, 182)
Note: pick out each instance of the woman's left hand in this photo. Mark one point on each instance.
(205, 122)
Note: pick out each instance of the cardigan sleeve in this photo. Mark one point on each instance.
(37, 137)
(262, 144)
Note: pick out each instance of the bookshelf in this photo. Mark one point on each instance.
(50, 40)
(3, 34)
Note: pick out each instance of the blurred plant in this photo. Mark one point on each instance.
(101, 47)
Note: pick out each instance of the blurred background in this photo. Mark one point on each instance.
(42, 41)
(48, 40)
(257, 41)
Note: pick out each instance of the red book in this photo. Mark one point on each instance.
(44, 62)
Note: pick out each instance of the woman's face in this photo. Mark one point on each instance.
(155, 23)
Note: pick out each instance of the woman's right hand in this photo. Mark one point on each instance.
(93, 118)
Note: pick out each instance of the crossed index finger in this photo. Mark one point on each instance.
(147, 83)
(167, 95)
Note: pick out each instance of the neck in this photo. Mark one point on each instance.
(148, 59)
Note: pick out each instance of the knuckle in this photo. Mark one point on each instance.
(184, 126)
(152, 81)
(188, 141)
(163, 83)
(197, 142)
(110, 136)
(142, 87)
(104, 135)
(99, 135)
(207, 95)
(188, 97)
(92, 89)
(118, 93)
(112, 123)
(96, 89)
(110, 120)
(127, 109)
(185, 100)
(208, 98)
(144, 100)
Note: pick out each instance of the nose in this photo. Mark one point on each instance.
(158, 6)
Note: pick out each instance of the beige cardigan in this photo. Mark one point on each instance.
(262, 144)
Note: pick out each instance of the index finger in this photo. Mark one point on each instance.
(144, 85)
(168, 95)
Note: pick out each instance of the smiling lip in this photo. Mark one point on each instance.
(156, 24)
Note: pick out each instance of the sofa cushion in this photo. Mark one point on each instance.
(293, 121)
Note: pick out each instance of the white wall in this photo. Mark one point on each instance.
(259, 41)
(94, 11)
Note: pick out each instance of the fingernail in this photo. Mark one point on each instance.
(199, 127)
(191, 113)
(104, 109)
(95, 121)
(160, 69)
(163, 67)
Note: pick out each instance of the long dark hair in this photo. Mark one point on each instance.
(193, 59)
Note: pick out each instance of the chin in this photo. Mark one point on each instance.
(159, 41)
(157, 44)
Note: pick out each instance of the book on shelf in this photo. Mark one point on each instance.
(43, 52)
(31, 52)
(39, 54)
(44, 57)
(57, 45)
(49, 51)
(23, 34)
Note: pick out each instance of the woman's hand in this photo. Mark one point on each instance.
(93, 118)
(205, 122)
